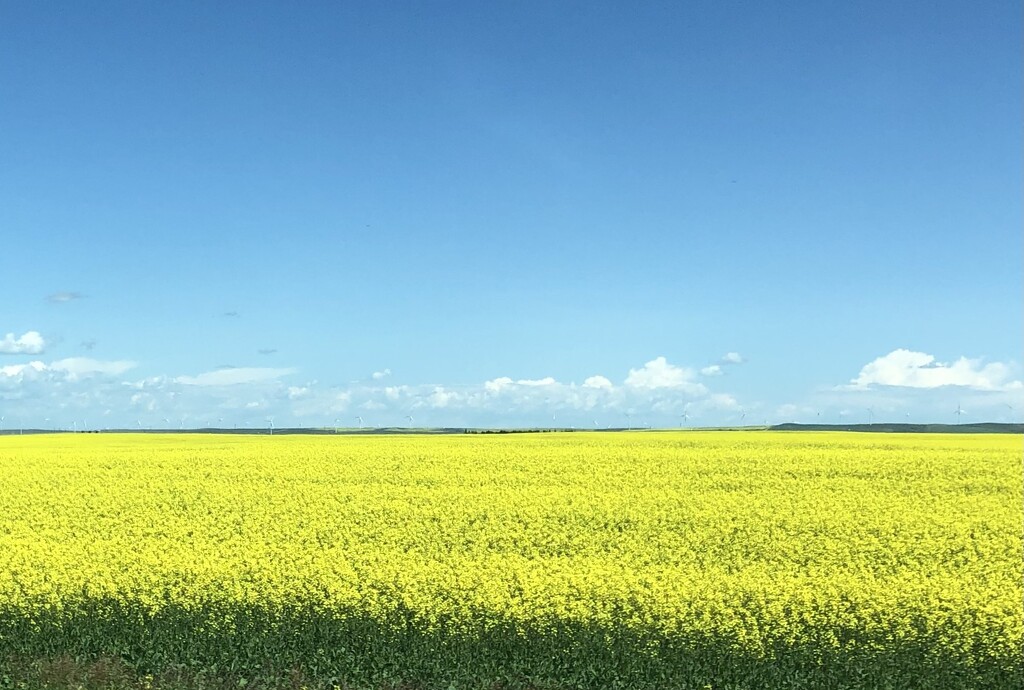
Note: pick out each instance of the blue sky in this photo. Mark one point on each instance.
(463, 212)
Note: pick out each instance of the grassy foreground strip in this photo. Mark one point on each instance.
(634, 560)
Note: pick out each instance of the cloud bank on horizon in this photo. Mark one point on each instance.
(658, 393)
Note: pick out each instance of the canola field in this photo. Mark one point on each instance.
(710, 560)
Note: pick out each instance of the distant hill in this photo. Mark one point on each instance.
(979, 428)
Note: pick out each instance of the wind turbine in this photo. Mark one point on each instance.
(167, 422)
(743, 415)
(629, 420)
(959, 411)
(871, 415)
(360, 420)
(1008, 405)
(2, 424)
(409, 418)
(336, 420)
(138, 422)
(683, 418)
(271, 420)
(595, 423)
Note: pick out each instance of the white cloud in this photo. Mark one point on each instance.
(80, 367)
(144, 401)
(231, 377)
(378, 375)
(722, 401)
(729, 359)
(151, 382)
(298, 392)
(442, 398)
(658, 373)
(497, 385)
(243, 395)
(394, 392)
(504, 383)
(30, 343)
(909, 369)
(546, 381)
(13, 370)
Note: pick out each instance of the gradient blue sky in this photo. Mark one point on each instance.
(234, 211)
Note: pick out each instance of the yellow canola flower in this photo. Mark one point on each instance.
(763, 540)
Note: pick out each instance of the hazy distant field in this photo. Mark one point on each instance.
(639, 560)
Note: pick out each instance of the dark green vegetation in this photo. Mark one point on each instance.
(259, 649)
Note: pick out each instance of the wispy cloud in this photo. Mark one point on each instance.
(63, 297)
(80, 367)
(230, 314)
(30, 343)
(88, 344)
(729, 359)
(721, 401)
(70, 369)
(382, 374)
(266, 351)
(298, 392)
(235, 376)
